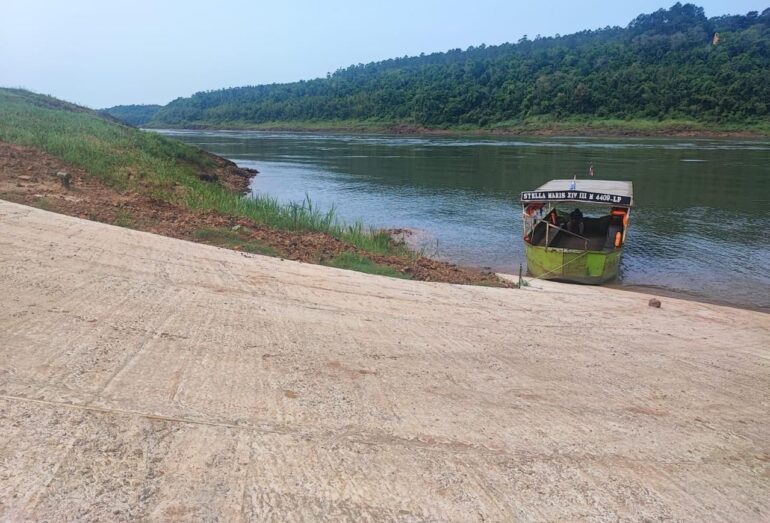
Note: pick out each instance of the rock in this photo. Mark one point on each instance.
(654, 302)
(64, 177)
(23, 177)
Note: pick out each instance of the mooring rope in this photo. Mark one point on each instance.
(542, 276)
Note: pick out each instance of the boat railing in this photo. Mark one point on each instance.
(549, 225)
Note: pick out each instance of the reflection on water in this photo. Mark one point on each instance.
(701, 224)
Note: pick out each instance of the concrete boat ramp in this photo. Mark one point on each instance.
(143, 377)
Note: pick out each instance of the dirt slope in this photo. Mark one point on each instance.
(28, 176)
(147, 377)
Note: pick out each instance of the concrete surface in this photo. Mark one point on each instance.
(143, 377)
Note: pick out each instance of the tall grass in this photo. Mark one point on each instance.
(113, 152)
(129, 159)
(294, 216)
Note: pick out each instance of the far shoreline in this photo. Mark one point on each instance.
(600, 129)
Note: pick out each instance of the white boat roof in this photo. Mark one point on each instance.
(610, 192)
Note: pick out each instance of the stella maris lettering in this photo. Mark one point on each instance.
(575, 196)
(533, 196)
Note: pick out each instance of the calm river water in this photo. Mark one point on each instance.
(700, 226)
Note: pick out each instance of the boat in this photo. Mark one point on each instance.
(562, 243)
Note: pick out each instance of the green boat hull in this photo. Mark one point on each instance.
(590, 267)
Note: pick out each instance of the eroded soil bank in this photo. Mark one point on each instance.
(28, 176)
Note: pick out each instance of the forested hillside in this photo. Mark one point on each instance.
(668, 65)
(133, 114)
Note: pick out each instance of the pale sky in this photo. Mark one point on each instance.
(101, 53)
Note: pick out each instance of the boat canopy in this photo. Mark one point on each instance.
(606, 192)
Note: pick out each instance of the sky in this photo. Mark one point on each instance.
(101, 53)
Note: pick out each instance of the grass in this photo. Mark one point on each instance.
(115, 153)
(124, 218)
(297, 216)
(126, 158)
(41, 203)
(356, 262)
(238, 240)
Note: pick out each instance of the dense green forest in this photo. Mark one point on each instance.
(133, 114)
(673, 64)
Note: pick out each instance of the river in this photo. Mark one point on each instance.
(700, 225)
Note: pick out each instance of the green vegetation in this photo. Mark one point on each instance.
(123, 218)
(671, 68)
(356, 262)
(121, 156)
(238, 240)
(528, 126)
(133, 114)
(297, 216)
(129, 159)
(41, 203)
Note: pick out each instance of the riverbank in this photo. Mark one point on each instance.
(28, 176)
(143, 377)
(124, 176)
(534, 127)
